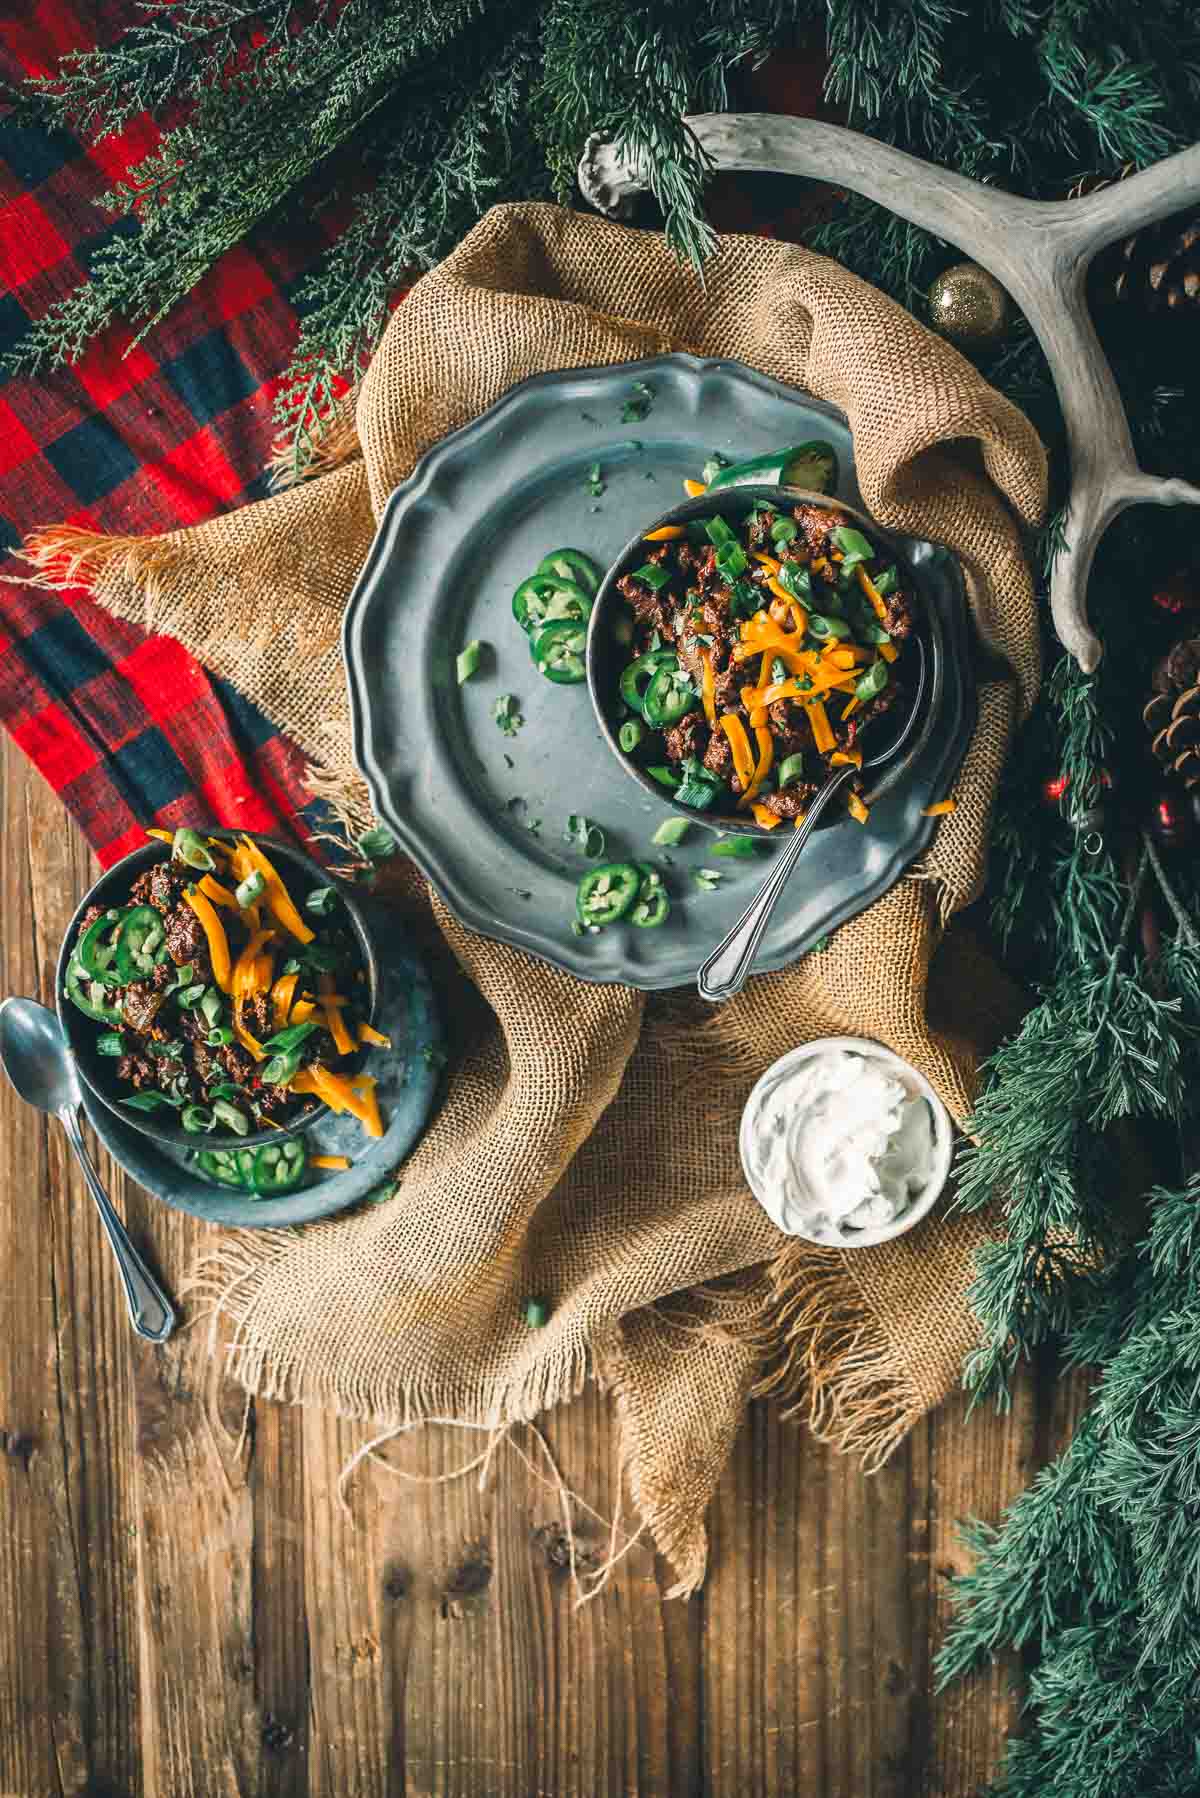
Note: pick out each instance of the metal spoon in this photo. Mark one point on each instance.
(728, 967)
(35, 1056)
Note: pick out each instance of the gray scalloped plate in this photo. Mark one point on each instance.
(475, 517)
(407, 1076)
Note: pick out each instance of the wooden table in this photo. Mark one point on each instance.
(186, 1608)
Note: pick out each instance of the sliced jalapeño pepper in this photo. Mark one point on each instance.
(637, 677)
(652, 906)
(97, 947)
(545, 599)
(90, 996)
(571, 565)
(669, 697)
(279, 1166)
(220, 1165)
(142, 943)
(607, 893)
(560, 651)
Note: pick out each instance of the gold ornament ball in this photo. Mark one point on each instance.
(969, 306)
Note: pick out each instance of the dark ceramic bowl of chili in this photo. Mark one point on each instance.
(684, 610)
(117, 940)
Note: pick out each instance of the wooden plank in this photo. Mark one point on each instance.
(67, 1404)
(447, 1655)
(808, 1633)
(977, 1462)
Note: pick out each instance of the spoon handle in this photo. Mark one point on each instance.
(727, 968)
(150, 1312)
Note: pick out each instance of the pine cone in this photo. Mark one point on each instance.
(1172, 714)
(1158, 269)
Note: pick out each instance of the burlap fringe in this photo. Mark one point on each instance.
(827, 1357)
(65, 556)
(346, 796)
(235, 1274)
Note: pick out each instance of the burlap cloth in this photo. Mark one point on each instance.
(586, 1147)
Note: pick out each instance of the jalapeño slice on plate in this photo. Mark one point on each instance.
(652, 906)
(571, 565)
(560, 651)
(607, 893)
(279, 1166)
(544, 599)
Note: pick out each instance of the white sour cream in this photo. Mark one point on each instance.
(836, 1143)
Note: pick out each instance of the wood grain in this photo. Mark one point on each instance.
(187, 1608)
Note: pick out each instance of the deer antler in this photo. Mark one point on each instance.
(1038, 249)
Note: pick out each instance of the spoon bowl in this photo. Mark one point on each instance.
(35, 1055)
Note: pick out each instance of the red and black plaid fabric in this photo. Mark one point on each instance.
(129, 728)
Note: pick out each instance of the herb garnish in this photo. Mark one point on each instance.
(595, 481)
(638, 404)
(507, 713)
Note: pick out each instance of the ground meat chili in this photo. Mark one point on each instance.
(757, 652)
(226, 1001)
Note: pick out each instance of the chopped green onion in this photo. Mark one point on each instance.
(189, 847)
(638, 404)
(196, 1118)
(585, 836)
(666, 777)
(110, 1043)
(712, 468)
(250, 889)
(211, 1006)
(779, 670)
(231, 1117)
(795, 581)
(631, 734)
(671, 832)
(467, 661)
(652, 575)
(853, 545)
(732, 561)
(885, 583)
(218, 1037)
(321, 901)
(185, 975)
(507, 714)
(821, 626)
(377, 844)
(595, 482)
(873, 681)
(740, 847)
(279, 1070)
(718, 532)
(791, 768)
(707, 879)
(783, 530)
(292, 1037)
(537, 1312)
(151, 1101)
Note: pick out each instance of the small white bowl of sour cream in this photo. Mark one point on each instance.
(845, 1144)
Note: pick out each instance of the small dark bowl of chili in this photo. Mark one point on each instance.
(97, 961)
(645, 695)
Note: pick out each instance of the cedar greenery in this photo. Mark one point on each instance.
(414, 119)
